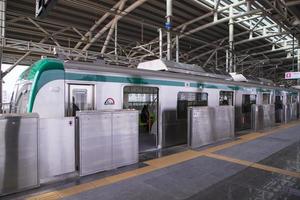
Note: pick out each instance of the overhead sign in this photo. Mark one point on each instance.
(292, 75)
(42, 7)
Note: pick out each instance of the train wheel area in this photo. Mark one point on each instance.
(257, 165)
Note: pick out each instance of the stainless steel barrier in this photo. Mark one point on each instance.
(257, 115)
(207, 125)
(287, 113)
(298, 111)
(18, 152)
(279, 116)
(290, 112)
(107, 140)
(263, 116)
(269, 115)
(294, 111)
(57, 147)
(174, 129)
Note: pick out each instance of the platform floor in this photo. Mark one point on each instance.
(262, 165)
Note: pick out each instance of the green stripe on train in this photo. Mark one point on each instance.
(120, 79)
(47, 70)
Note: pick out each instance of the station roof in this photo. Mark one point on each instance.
(263, 43)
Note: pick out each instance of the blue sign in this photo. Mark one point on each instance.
(168, 25)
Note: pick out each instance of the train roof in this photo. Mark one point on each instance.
(183, 68)
(56, 64)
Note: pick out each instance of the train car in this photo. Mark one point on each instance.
(55, 89)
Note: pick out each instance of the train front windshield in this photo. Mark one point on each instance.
(20, 98)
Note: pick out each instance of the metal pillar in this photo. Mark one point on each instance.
(231, 37)
(298, 68)
(168, 27)
(177, 48)
(298, 62)
(216, 67)
(160, 43)
(2, 35)
(227, 60)
(116, 41)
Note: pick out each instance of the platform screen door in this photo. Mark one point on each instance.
(80, 97)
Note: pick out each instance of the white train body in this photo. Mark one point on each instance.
(53, 86)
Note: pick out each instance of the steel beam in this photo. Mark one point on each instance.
(226, 19)
(97, 24)
(17, 62)
(43, 30)
(116, 41)
(48, 50)
(118, 17)
(112, 27)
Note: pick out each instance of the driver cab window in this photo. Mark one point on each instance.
(81, 97)
(21, 99)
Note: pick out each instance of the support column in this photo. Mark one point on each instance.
(116, 41)
(298, 62)
(227, 60)
(160, 43)
(216, 6)
(298, 69)
(231, 40)
(2, 35)
(216, 67)
(177, 48)
(168, 26)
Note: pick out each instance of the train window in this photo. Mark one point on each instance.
(248, 100)
(186, 99)
(266, 98)
(21, 98)
(288, 99)
(81, 97)
(226, 98)
(294, 98)
(278, 102)
(136, 97)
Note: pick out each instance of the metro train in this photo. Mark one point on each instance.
(55, 89)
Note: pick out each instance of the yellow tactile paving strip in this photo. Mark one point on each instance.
(170, 160)
(254, 165)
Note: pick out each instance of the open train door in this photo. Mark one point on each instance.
(247, 101)
(146, 101)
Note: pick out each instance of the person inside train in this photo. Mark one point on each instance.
(225, 101)
(145, 117)
(74, 107)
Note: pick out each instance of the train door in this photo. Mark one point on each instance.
(146, 101)
(80, 97)
(278, 109)
(247, 101)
